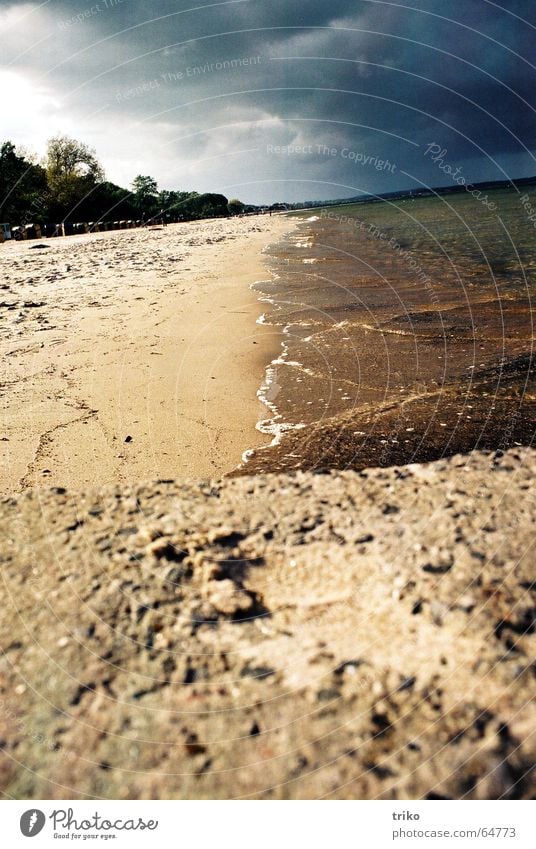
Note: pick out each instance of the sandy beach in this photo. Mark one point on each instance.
(347, 635)
(127, 355)
(174, 629)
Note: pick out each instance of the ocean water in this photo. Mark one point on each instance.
(407, 332)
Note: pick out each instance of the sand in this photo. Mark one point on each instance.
(132, 355)
(346, 635)
(339, 635)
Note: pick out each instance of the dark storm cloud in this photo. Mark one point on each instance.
(288, 99)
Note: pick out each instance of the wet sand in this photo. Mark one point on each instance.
(133, 355)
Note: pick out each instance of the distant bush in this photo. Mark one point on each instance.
(235, 206)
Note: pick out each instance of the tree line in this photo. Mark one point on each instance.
(69, 185)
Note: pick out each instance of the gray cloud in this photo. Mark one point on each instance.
(208, 97)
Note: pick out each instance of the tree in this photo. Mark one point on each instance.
(23, 188)
(172, 201)
(110, 202)
(73, 171)
(209, 205)
(70, 158)
(145, 189)
(70, 182)
(235, 206)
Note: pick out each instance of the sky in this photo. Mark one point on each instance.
(277, 100)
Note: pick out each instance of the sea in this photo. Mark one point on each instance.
(406, 332)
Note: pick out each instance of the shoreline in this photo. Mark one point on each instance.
(127, 355)
(376, 372)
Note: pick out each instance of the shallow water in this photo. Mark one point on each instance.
(408, 332)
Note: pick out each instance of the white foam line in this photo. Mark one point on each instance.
(293, 364)
(384, 330)
(273, 426)
(246, 456)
